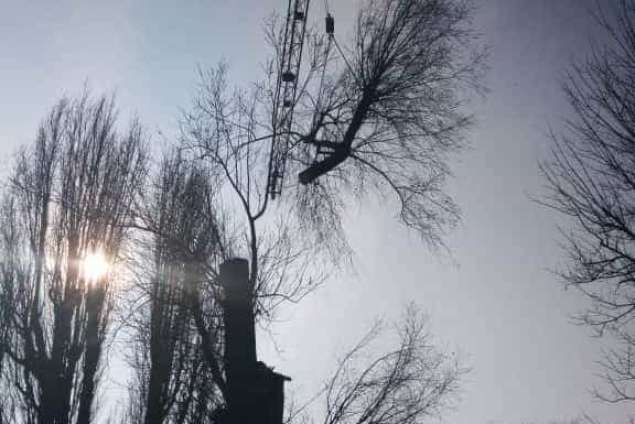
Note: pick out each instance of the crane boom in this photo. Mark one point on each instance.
(285, 95)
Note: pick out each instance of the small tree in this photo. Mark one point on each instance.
(407, 384)
(591, 179)
(68, 199)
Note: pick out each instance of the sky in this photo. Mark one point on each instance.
(493, 297)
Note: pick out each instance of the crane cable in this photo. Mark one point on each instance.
(350, 68)
(326, 57)
(331, 40)
(337, 45)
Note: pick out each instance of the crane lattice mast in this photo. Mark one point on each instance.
(285, 96)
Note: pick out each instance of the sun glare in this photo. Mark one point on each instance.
(95, 266)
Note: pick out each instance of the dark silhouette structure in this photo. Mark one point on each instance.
(255, 393)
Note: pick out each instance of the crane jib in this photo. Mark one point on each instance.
(285, 96)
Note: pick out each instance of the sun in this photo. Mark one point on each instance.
(94, 265)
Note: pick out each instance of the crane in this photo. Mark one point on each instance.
(285, 95)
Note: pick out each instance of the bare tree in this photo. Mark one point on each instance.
(388, 112)
(384, 114)
(5, 342)
(410, 383)
(68, 198)
(174, 384)
(389, 119)
(392, 116)
(591, 179)
(221, 134)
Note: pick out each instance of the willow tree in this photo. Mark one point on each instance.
(385, 112)
(65, 210)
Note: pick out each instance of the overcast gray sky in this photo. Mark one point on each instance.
(492, 298)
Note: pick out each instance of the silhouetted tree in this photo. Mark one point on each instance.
(408, 384)
(391, 117)
(389, 112)
(69, 196)
(591, 179)
(179, 349)
(388, 108)
(218, 133)
(5, 341)
(393, 114)
(173, 383)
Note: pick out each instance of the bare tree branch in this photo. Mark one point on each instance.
(409, 384)
(591, 179)
(69, 194)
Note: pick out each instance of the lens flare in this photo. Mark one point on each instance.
(94, 266)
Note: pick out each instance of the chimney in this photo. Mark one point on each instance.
(255, 393)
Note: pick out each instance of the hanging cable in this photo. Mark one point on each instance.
(330, 31)
(350, 68)
(320, 94)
